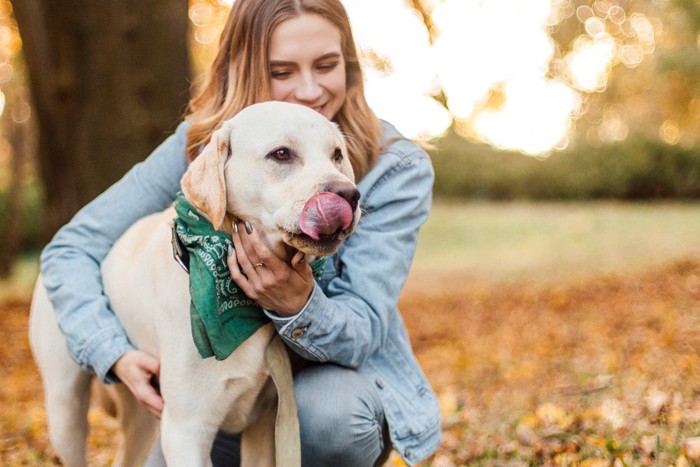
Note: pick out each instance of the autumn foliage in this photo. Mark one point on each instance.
(599, 371)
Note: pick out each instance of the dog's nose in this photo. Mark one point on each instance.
(345, 190)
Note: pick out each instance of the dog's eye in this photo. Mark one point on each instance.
(281, 154)
(337, 155)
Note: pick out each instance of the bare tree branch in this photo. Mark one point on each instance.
(426, 16)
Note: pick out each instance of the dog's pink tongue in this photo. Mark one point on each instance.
(324, 214)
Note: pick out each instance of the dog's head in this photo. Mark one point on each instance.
(285, 169)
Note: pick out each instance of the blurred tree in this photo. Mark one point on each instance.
(108, 81)
(657, 96)
(634, 63)
(15, 129)
(16, 146)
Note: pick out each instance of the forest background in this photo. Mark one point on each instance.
(554, 302)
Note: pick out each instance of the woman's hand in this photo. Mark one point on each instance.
(138, 370)
(272, 283)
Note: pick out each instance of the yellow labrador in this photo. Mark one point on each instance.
(283, 168)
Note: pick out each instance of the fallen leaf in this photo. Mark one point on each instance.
(613, 412)
(526, 435)
(647, 444)
(655, 401)
(691, 447)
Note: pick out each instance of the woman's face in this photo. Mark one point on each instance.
(306, 64)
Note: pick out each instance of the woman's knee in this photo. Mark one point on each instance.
(341, 417)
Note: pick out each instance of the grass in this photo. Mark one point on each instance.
(22, 277)
(549, 241)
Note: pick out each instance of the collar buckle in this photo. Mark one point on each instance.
(180, 253)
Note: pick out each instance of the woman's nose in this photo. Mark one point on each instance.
(308, 89)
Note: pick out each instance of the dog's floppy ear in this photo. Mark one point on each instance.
(203, 184)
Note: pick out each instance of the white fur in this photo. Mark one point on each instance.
(147, 289)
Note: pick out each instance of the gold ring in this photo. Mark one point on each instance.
(258, 265)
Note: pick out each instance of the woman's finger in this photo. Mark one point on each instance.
(237, 276)
(246, 235)
(259, 253)
(240, 252)
(137, 370)
(300, 265)
(149, 397)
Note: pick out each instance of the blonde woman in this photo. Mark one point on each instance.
(363, 392)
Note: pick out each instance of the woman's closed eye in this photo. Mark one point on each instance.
(326, 67)
(280, 74)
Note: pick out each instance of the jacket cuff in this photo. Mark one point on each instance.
(103, 352)
(298, 330)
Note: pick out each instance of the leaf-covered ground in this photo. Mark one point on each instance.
(595, 371)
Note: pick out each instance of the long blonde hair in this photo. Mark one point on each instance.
(240, 76)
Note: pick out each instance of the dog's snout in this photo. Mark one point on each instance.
(345, 190)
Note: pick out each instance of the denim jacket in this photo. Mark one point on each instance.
(351, 319)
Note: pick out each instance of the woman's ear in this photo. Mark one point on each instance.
(204, 184)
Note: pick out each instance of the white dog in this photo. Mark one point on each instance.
(274, 165)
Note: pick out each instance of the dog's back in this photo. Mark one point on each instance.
(145, 285)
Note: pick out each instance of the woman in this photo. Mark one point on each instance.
(363, 392)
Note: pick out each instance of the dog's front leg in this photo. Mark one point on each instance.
(186, 442)
(196, 402)
(138, 426)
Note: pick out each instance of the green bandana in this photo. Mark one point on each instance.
(222, 316)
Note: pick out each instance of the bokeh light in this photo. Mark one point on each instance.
(490, 69)
(590, 61)
(670, 132)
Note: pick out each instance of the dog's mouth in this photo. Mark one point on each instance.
(324, 245)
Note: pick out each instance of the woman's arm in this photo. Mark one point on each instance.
(70, 263)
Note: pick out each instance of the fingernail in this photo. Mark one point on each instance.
(248, 228)
(230, 249)
(303, 258)
(235, 227)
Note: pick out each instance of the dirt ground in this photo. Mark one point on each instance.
(594, 372)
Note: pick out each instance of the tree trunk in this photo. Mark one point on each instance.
(109, 81)
(16, 135)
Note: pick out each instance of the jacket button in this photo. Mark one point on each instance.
(298, 333)
(380, 383)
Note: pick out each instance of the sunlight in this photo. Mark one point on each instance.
(481, 49)
(480, 46)
(535, 117)
(483, 44)
(590, 61)
(398, 66)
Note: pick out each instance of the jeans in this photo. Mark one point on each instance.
(341, 421)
